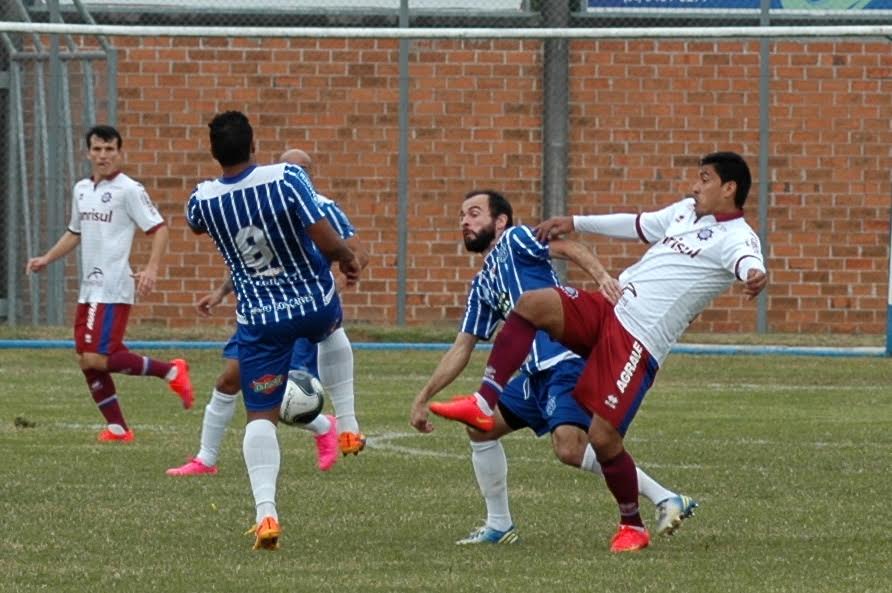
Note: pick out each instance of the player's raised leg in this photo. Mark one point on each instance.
(535, 310)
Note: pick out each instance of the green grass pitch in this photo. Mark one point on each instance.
(790, 459)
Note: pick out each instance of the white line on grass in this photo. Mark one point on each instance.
(384, 442)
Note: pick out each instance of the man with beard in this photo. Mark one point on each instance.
(540, 397)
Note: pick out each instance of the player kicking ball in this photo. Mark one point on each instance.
(700, 246)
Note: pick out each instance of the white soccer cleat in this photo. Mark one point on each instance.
(672, 511)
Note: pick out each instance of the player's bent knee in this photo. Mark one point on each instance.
(93, 361)
(227, 385)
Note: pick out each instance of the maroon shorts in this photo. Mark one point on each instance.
(618, 369)
(99, 327)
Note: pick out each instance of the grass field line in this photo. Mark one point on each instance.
(384, 441)
(789, 387)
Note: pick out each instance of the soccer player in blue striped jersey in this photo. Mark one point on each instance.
(332, 433)
(540, 396)
(267, 224)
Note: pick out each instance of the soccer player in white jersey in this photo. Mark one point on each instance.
(273, 235)
(700, 246)
(332, 433)
(540, 397)
(106, 209)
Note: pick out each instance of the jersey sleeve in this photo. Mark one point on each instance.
(338, 219)
(525, 246)
(741, 252)
(301, 194)
(141, 208)
(652, 226)
(194, 216)
(480, 319)
(74, 223)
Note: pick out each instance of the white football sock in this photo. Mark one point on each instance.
(336, 374)
(647, 486)
(262, 458)
(319, 426)
(590, 461)
(491, 469)
(650, 488)
(217, 416)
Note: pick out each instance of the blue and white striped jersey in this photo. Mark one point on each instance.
(258, 220)
(517, 263)
(336, 217)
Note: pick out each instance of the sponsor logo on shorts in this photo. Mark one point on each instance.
(267, 383)
(611, 401)
(631, 366)
(570, 291)
(550, 406)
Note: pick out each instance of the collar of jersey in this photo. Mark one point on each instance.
(724, 216)
(110, 177)
(239, 177)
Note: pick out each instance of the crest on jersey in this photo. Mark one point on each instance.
(704, 234)
(106, 197)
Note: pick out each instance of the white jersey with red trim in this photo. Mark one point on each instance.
(105, 215)
(691, 261)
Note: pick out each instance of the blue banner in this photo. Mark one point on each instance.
(746, 4)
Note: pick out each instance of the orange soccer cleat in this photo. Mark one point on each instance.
(629, 539)
(181, 384)
(351, 442)
(464, 408)
(266, 534)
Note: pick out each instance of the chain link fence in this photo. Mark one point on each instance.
(400, 129)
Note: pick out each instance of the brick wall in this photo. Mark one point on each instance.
(642, 112)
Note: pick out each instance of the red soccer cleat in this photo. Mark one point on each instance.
(181, 384)
(629, 539)
(107, 436)
(464, 409)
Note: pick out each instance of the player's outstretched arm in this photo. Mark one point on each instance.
(553, 228)
(66, 243)
(450, 366)
(585, 258)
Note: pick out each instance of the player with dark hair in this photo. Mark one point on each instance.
(267, 223)
(106, 209)
(332, 433)
(538, 398)
(699, 247)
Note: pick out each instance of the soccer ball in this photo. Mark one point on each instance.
(303, 400)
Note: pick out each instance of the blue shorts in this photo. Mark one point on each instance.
(265, 353)
(303, 357)
(543, 401)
